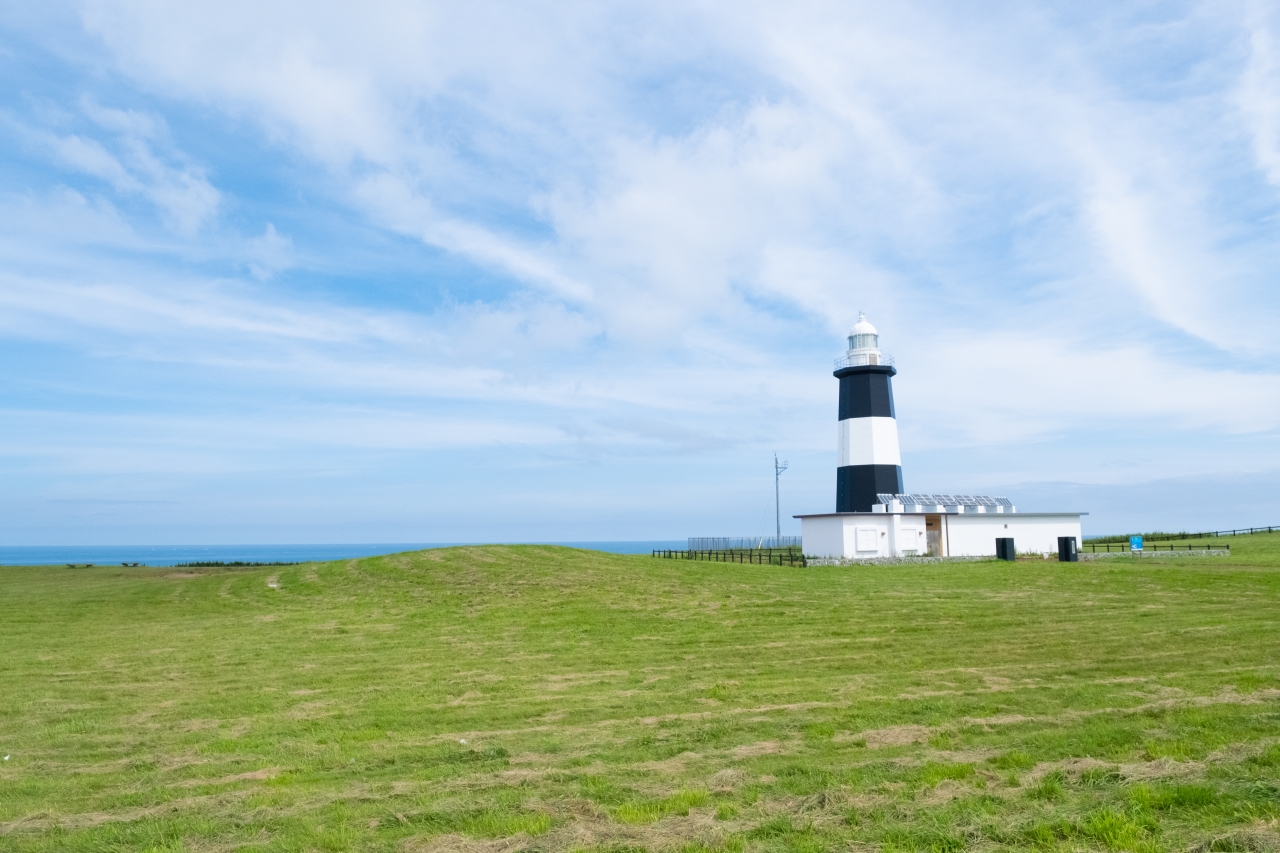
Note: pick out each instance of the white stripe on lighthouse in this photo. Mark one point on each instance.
(868, 441)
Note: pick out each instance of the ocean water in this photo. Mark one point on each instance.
(168, 555)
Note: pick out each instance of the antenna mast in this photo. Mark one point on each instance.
(778, 468)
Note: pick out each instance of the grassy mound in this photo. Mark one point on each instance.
(506, 698)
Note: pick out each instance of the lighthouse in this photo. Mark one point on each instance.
(869, 463)
(874, 519)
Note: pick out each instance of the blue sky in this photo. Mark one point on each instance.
(310, 272)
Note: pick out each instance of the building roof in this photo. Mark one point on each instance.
(945, 500)
(991, 515)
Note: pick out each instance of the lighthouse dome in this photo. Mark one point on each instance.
(862, 327)
(863, 337)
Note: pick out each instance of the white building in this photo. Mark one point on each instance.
(962, 526)
(874, 518)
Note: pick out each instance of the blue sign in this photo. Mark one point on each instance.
(1135, 543)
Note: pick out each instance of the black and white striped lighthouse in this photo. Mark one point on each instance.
(869, 461)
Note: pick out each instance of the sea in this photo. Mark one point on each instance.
(171, 555)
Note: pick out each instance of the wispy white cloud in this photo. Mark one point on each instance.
(128, 161)
(270, 253)
(1259, 92)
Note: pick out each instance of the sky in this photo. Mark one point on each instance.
(425, 272)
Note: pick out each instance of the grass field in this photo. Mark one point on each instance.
(503, 698)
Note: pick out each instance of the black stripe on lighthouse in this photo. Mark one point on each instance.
(865, 392)
(869, 460)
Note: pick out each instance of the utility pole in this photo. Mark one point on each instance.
(778, 468)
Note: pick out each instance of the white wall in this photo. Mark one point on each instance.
(975, 535)
(823, 535)
(909, 535)
(839, 536)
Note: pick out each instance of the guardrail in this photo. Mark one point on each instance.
(863, 359)
(1210, 534)
(1120, 547)
(766, 557)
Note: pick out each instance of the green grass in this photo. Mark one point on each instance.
(543, 698)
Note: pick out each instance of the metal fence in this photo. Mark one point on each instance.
(742, 543)
(1210, 534)
(1110, 547)
(757, 556)
(1165, 537)
(862, 359)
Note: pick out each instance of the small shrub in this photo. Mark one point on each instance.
(651, 811)
(1178, 750)
(820, 731)
(638, 813)
(603, 791)
(775, 827)
(1167, 798)
(1249, 682)
(803, 779)
(1048, 834)
(933, 773)
(1115, 830)
(732, 844)
(1049, 788)
(931, 840)
(1097, 777)
(944, 741)
(1269, 757)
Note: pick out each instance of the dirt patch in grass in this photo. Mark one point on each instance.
(311, 710)
(252, 776)
(461, 844)
(726, 780)
(894, 736)
(751, 750)
(199, 725)
(674, 764)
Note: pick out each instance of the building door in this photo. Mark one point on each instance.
(933, 535)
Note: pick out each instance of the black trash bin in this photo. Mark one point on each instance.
(1067, 551)
(1005, 550)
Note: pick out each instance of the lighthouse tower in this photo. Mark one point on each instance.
(869, 461)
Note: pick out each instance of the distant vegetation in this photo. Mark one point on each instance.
(219, 564)
(534, 697)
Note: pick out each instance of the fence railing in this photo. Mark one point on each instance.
(743, 543)
(757, 556)
(1210, 534)
(1112, 547)
(862, 359)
